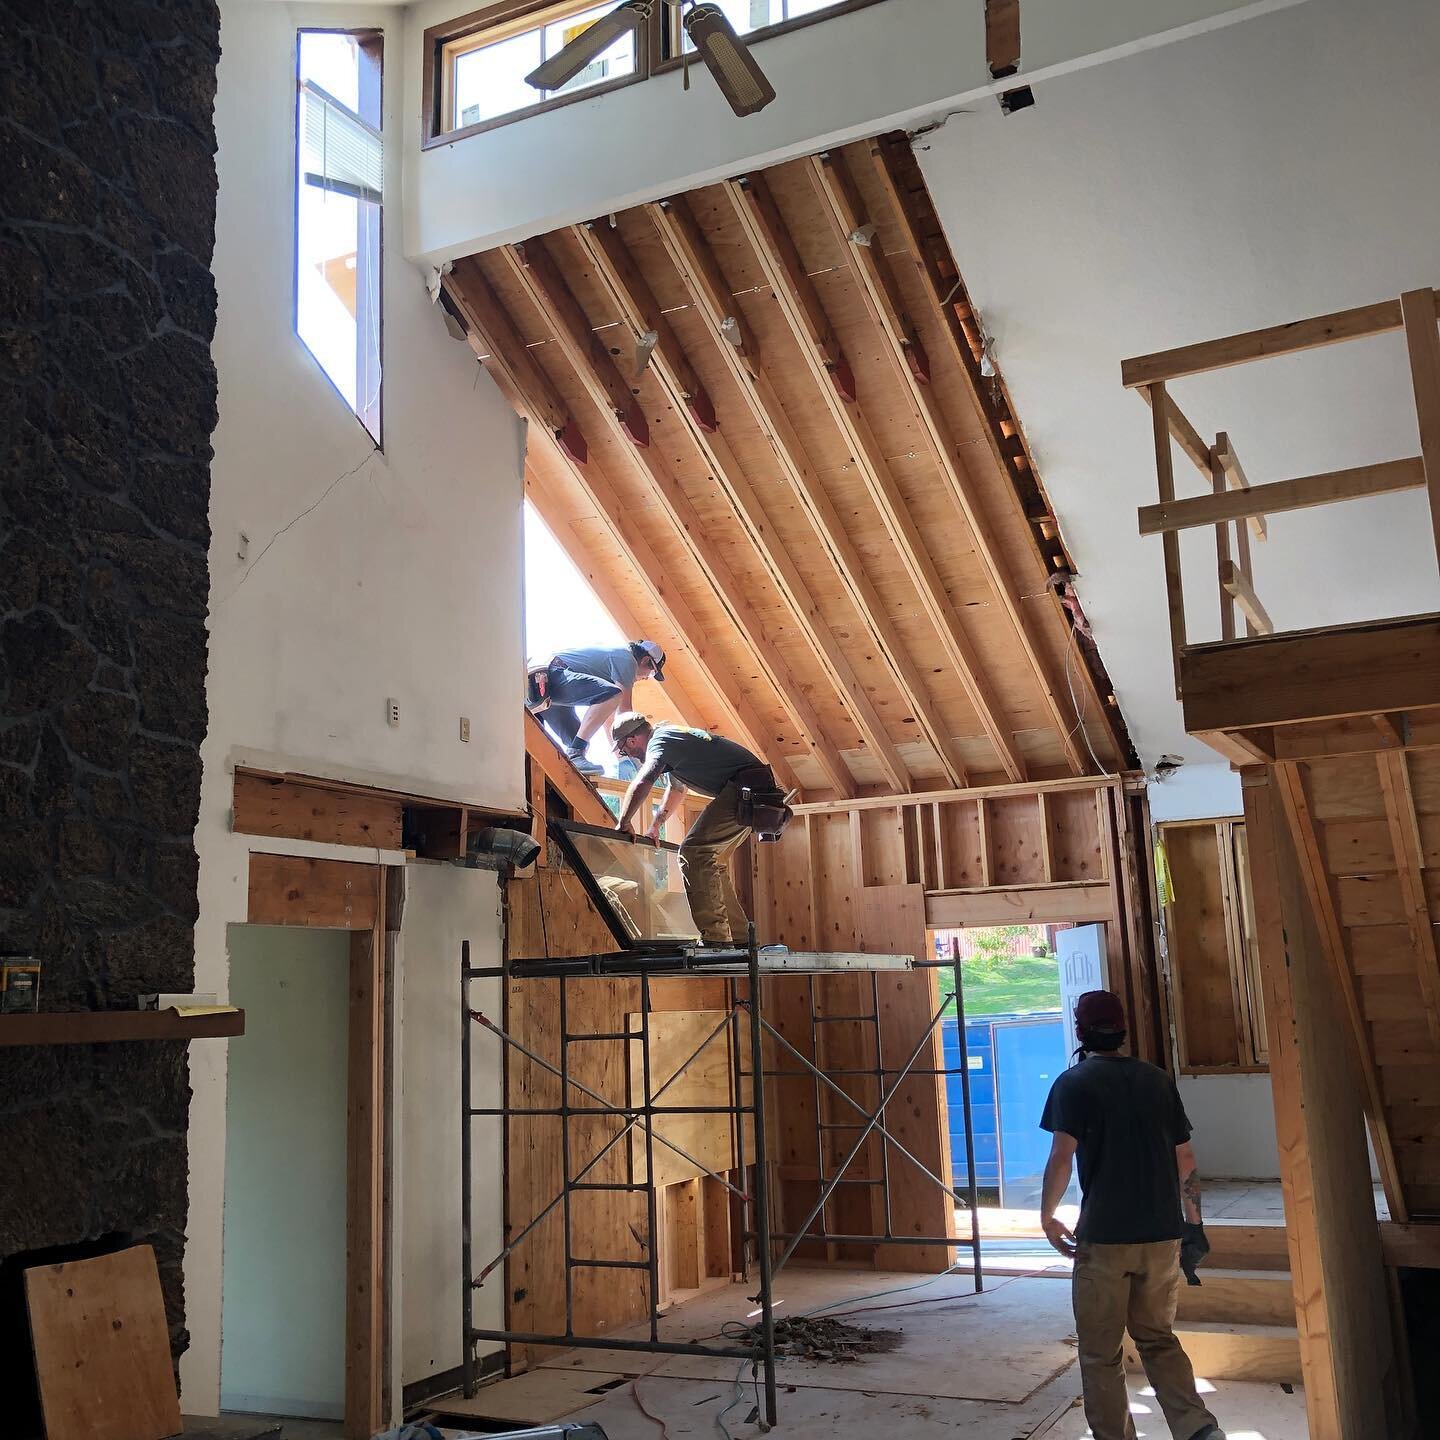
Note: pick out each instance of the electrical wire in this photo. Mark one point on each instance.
(1072, 643)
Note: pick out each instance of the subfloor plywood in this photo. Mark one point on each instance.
(535, 1398)
(1018, 1335)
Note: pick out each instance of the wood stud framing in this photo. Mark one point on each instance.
(1323, 906)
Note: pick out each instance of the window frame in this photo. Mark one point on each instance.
(369, 238)
(666, 22)
(652, 44)
(498, 22)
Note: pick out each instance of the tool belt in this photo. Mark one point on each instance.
(537, 684)
(761, 805)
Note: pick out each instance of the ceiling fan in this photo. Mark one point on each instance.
(726, 56)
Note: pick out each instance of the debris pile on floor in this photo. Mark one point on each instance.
(830, 1342)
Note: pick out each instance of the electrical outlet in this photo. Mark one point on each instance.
(392, 712)
(465, 728)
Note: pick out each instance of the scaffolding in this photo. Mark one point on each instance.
(747, 1032)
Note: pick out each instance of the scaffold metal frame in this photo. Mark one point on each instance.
(743, 969)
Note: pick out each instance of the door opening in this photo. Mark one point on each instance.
(1016, 995)
(284, 1281)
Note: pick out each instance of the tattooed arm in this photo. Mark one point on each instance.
(1189, 1182)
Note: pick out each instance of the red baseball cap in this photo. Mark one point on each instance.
(1100, 1010)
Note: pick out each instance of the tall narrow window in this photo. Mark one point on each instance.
(339, 194)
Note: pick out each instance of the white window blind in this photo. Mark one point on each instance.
(339, 151)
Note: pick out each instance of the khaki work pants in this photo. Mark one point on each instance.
(1136, 1288)
(705, 865)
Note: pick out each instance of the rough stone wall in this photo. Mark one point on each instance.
(107, 403)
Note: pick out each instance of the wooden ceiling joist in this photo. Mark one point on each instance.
(836, 187)
(540, 277)
(726, 378)
(627, 287)
(948, 306)
(528, 389)
(759, 217)
(700, 274)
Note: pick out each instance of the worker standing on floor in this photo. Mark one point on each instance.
(600, 678)
(1139, 1224)
(743, 794)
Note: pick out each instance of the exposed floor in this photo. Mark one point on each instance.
(260, 1427)
(1003, 1360)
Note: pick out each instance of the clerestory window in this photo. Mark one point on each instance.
(339, 195)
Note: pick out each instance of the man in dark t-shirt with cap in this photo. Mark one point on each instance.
(1122, 1120)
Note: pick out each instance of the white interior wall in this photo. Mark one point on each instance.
(891, 66)
(443, 907)
(285, 1159)
(1245, 177)
(366, 576)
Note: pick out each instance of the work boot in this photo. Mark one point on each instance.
(582, 762)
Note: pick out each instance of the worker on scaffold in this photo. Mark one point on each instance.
(743, 798)
(601, 679)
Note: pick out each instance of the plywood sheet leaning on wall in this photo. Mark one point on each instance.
(102, 1348)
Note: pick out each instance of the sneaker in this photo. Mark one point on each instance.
(774, 949)
(1210, 1432)
(585, 765)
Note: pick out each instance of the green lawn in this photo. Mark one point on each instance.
(1007, 986)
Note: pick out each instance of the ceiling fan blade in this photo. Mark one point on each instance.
(742, 82)
(566, 64)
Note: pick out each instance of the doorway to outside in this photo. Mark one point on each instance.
(1020, 983)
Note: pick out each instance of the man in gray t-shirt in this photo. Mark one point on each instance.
(710, 765)
(602, 680)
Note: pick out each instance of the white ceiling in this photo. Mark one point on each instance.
(1283, 167)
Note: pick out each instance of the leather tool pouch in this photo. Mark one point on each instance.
(762, 806)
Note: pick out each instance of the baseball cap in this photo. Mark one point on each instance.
(1100, 1010)
(626, 724)
(657, 655)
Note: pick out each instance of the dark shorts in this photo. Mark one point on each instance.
(569, 687)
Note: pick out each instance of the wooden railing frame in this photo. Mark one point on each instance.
(1232, 501)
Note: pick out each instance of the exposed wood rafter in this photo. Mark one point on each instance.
(627, 287)
(535, 269)
(755, 208)
(529, 390)
(845, 208)
(700, 273)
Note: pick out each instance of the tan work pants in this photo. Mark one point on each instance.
(705, 865)
(1136, 1288)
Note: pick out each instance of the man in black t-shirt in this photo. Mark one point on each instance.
(1122, 1120)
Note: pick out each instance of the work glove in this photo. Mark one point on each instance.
(1194, 1247)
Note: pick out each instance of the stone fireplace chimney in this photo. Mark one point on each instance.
(107, 402)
